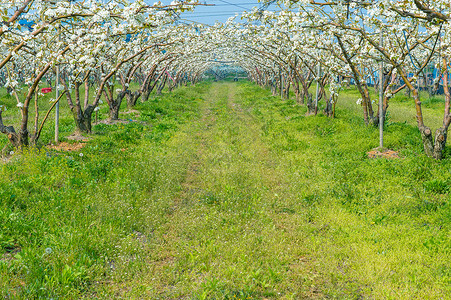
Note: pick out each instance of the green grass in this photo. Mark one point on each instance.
(90, 206)
(222, 191)
(401, 107)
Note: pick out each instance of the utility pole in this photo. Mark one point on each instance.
(57, 106)
(281, 82)
(318, 77)
(282, 85)
(381, 94)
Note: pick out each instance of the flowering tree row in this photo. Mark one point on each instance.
(93, 44)
(106, 47)
(328, 40)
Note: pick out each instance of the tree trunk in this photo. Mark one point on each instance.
(12, 135)
(368, 113)
(301, 96)
(310, 104)
(132, 98)
(440, 142)
(86, 94)
(296, 90)
(114, 112)
(441, 133)
(162, 85)
(436, 84)
(426, 136)
(145, 96)
(115, 105)
(287, 90)
(82, 118)
(274, 89)
(328, 110)
(305, 93)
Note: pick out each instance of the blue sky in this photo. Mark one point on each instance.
(222, 10)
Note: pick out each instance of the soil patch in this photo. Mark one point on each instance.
(63, 146)
(132, 111)
(5, 160)
(78, 137)
(113, 122)
(384, 154)
(9, 255)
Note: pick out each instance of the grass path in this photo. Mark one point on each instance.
(273, 207)
(225, 239)
(226, 236)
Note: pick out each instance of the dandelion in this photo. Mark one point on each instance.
(81, 154)
(11, 153)
(48, 250)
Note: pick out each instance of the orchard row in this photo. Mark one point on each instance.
(125, 50)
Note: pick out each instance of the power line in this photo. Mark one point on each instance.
(210, 12)
(212, 15)
(234, 4)
(250, 3)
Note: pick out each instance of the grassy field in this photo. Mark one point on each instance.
(221, 191)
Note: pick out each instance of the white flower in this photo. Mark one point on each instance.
(11, 83)
(11, 153)
(81, 154)
(359, 101)
(97, 108)
(19, 105)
